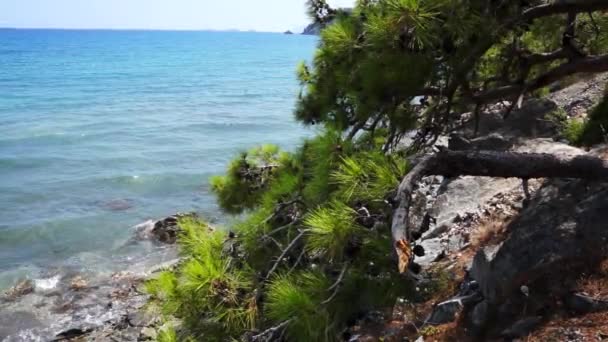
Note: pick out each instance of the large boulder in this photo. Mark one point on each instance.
(566, 225)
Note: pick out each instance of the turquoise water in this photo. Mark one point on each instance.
(101, 130)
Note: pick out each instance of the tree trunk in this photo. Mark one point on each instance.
(485, 163)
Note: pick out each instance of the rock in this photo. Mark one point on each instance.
(22, 288)
(148, 333)
(71, 334)
(166, 266)
(78, 283)
(12, 323)
(118, 205)
(583, 304)
(479, 315)
(447, 311)
(288, 32)
(313, 29)
(564, 225)
(522, 327)
(164, 230)
(481, 271)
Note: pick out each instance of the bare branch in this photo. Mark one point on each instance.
(284, 253)
(268, 334)
(583, 65)
(490, 164)
(562, 7)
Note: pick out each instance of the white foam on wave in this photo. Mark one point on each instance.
(46, 284)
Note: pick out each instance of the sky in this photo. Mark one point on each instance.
(259, 15)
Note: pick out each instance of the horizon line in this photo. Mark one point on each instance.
(141, 29)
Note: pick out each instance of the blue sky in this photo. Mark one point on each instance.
(261, 15)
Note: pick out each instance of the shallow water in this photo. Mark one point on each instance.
(101, 130)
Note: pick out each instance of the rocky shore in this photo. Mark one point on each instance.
(75, 307)
(511, 260)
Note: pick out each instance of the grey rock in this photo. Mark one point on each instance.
(432, 248)
(482, 273)
(148, 333)
(565, 224)
(447, 311)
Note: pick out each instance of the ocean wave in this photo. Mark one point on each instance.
(46, 284)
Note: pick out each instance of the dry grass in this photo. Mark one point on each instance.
(592, 327)
(491, 230)
(596, 284)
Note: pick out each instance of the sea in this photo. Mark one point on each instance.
(101, 130)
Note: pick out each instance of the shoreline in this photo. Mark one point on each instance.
(71, 304)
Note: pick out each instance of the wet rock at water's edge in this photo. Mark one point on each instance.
(164, 230)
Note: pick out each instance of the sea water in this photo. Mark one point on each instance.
(101, 130)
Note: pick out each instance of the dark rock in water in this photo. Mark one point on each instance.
(164, 230)
(71, 334)
(118, 205)
(288, 32)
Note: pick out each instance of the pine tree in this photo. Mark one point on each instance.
(311, 248)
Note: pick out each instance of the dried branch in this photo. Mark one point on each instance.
(284, 253)
(484, 163)
(268, 334)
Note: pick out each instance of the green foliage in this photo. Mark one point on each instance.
(320, 156)
(371, 63)
(167, 335)
(368, 176)
(332, 227)
(595, 129)
(297, 299)
(205, 292)
(247, 178)
(573, 131)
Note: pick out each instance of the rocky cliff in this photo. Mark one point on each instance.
(313, 29)
(506, 259)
